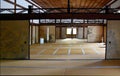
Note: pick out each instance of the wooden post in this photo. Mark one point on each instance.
(29, 9)
(68, 8)
(106, 10)
(60, 32)
(39, 32)
(15, 6)
(83, 32)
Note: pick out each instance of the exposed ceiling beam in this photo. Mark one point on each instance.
(10, 11)
(113, 1)
(109, 4)
(67, 24)
(59, 16)
(22, 11)
(32, 3)
(61, 10)
(118, 7)
(50, 10)
(39, 5)
(1, 11)
(15, 4)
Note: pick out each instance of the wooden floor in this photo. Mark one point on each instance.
(68, 49)
(60, 67)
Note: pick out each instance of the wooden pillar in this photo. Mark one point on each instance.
(39, 32)
(32, 33)
(15, 6)
(35, 34)
(106, 10)
(55, 30)
(60, 32)
(72, 32)
(103, 34)
(83, 32)
(29, 9)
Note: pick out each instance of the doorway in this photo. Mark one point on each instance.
(69, 44)
(71, 32)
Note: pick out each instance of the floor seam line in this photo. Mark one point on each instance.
(82, 51)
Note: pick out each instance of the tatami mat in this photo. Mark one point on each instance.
(77, 51)
(89, 51)
(48, 51)
(67, 47)
(66, 67)
(62, 51)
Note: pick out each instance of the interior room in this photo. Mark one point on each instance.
(82, 39)
(60, 37)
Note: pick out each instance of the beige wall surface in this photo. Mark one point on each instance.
(95, 33)
(57, 32)
(36, 34)
(14, 39)
(43, 31)
(105, 31)
(80, 33)
(33, 34)
(85, 33)
(63, 32)
(113, 39)
(52, 33)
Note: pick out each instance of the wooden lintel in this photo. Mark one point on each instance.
(59, 16)
(66, 24)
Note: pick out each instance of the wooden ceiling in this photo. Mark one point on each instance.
(73, 3)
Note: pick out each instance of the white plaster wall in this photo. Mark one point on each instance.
(113, 39)
(80, 33)
(33, 34)
(63, 33)
(95, 33)
(85, 34)
(36, 34)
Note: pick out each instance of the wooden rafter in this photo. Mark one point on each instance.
(109, 4)
(32, 3)
(22, 11)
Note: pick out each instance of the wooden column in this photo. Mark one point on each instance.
(103, 34)
(15, 6)
(83, 32)
(60, 32)
(39, 32)
(29, 9)
(31, 33)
